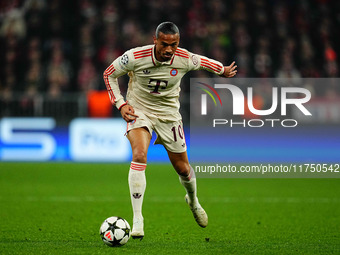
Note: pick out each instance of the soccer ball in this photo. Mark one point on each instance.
(115, 231)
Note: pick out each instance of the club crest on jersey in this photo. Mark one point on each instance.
(173, 72)
(125, 59)
(146, 71)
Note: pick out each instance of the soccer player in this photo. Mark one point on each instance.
(152, 104)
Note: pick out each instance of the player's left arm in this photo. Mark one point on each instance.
(230, 71)
(198, 62)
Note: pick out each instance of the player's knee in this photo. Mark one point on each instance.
(182, 168)
(139, 156)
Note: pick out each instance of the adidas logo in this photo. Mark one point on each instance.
(137, 195)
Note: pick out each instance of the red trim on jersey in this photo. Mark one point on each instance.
(143, 56)
(122, 106)
(181, 50)
(112, 97)
(172, 59)
(180, 55)
(152, 54)
(110, 70)
(206, 61)
(137, 166)
(178, 50)
(106, 80)
(142, 53)
(210, 65)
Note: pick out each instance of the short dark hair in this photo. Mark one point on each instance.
(167, 28)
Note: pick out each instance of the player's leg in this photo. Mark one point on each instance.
(140, 140)
(186, 174)
(171, 136)
(188, 179)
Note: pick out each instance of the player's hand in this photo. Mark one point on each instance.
(128, 113)
(230, 71)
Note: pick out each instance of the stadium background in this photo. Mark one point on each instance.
(53, 55)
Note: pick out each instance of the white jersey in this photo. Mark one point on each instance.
(154, 86)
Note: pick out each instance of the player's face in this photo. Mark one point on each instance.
(166, 45)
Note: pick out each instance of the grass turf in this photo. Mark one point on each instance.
(57, 208)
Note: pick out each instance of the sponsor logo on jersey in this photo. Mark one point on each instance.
(173, 72)
(146, 71)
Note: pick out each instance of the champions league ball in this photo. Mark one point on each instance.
(115, 231)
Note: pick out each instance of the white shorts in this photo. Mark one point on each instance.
(169, 133)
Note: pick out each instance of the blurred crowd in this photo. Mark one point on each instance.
(59, 46)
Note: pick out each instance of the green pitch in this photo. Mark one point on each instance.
(57, 208)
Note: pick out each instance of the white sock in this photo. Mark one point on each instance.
(189, 183)
(137, 184)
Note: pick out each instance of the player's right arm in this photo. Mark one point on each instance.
(128, 113)
(119, 67)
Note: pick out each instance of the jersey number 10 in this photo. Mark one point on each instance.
(180, 132)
